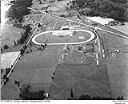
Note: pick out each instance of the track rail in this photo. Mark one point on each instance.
(37, 43)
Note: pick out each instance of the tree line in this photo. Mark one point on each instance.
(116, 9)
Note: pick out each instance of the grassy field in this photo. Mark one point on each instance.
(10, 34)
(123, 28)
(108, 79)
(92, 23)
(81, 79)
(9, 92)
(8, 59)
(50, 38)
(118, 71)
(36, 69)
(117, 63)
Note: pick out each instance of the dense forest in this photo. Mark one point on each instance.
(0, 12)
(116, 9)
(19, 9)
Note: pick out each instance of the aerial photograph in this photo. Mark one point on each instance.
(64, 49)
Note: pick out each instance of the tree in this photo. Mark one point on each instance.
(0, 11)
(25, 35)
(19, 9)
(37, 95)
(6, 47)
(72, 94)
(126, 15)
(17, 83)
(15, 43)
(6, 79)
(22, 51)
(120, 1)
(115, 9)
(88, 97)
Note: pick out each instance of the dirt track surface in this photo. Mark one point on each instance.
(59, 39)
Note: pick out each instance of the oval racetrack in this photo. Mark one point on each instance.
(62, 37)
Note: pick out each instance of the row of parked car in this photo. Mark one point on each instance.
(116, 23)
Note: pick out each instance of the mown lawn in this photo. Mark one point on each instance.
(117, 63)
(82, 80)
(36, 69)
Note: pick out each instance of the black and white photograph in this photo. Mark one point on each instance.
(64, 50)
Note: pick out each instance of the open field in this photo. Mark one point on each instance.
(10, 34)
(105, 27)
(118, 70)
(41, 70)
(8, 59)
(82, 79)
(123, 28)
(35, 69)
(116, 63)
(9, 92)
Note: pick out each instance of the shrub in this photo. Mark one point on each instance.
(27, 95)
(24, 35)
(88, 97)
(6, 47)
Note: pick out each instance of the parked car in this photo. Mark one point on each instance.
(115, 23)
